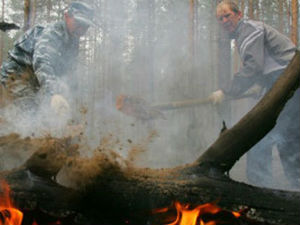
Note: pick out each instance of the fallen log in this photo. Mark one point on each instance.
(131, 195)
(102, 187)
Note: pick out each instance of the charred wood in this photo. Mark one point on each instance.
(131, 195)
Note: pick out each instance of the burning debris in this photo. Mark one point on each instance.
(185, 214)
(206, 214)
(9, 215)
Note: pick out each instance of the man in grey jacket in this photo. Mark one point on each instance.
(41, 57)
(265, 53)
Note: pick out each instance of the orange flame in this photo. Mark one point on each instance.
(9, 215)
(187, 216)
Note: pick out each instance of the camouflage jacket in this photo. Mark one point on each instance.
(49, 51)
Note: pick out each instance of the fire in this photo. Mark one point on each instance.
(206, 214)
(9, 215)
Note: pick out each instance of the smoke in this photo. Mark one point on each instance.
(144, 50)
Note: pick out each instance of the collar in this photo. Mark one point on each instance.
(67, 35)
(235, 33)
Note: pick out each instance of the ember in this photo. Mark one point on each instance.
(9, 215)
(206, 214)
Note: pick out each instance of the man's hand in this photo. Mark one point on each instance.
(217, 97)
(60, 105)
(255, 91)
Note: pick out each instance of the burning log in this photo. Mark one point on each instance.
(103, 189)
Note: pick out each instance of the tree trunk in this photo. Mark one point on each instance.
(104, 188)
(288, 13)
(251, 10)
(192, 29)
(257, 17)
(29, 13)
(294, 29)
(49, 8)
(243, 6)
(1, 35)
(33, 12)
(280, 14)
(26, 15)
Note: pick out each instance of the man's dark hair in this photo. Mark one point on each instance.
(233, 6)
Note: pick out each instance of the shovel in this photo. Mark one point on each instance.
(141, 110)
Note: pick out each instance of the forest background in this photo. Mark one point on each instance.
(161, 51)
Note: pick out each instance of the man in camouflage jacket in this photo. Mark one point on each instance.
(43, 55)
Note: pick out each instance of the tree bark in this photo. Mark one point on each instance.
(26, 15)
(104, 188)
(29, 13)
(49, 8)
(1, 34)
(280, 14)
(132, 195)
(294, 29)
(251, 10)
(286, 5)
(33, 4)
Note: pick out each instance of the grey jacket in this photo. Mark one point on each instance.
(264, 53)
(50, 52)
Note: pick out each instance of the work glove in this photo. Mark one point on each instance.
(217, 97)
(60, 105)
(255, 91)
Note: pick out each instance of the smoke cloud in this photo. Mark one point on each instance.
(144, 50)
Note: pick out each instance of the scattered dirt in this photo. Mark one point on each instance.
(60, 159)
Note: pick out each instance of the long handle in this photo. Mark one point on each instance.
(193, 102)
(181, 104)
